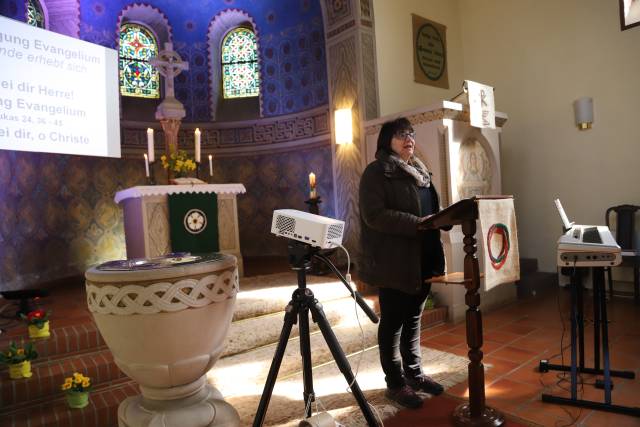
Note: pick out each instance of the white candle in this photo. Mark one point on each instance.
(146, 165)
(197, 145)
(150, 148)
(312, 185)
(210, 164)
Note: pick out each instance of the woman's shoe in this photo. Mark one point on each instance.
(426, 384)
(405, 396)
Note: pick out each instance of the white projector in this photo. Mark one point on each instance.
(316, 230)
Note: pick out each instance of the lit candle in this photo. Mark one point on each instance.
(197, 145)
(312, 185)
(210, 164)
(146, 165)
(150, 148)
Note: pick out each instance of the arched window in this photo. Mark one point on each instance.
(35, 16)
(240, 77)
(137, 76)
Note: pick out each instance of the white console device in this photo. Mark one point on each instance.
(316, 230)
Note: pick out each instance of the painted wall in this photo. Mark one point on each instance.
(394, 45)
(541, 55)
(58, 217)
(57, 214)
(290, 39)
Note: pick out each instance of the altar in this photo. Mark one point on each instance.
(146, 218)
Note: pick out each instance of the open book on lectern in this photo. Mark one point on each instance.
(586, 245)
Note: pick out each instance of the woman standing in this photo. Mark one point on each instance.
(396, 195)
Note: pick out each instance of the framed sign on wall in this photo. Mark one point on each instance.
(429, 52)
(629, 14)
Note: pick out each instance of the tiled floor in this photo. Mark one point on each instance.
(517, 336)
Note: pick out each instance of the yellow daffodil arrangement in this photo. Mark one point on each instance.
(19, 360)
(77, 388)
(178, 163)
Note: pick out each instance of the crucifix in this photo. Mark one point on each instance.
(169, 64)
(170, 111)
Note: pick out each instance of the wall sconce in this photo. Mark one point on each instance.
(583, 108)
(344, 129)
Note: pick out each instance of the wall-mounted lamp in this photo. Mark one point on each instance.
(344, 129)
(583, 108)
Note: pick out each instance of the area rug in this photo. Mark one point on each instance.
(266, 294)
(286, 407)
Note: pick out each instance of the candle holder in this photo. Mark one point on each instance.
(318, 268)
(151, 178)
(314, 204)
(197, 169)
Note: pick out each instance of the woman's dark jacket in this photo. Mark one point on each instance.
(391, 243)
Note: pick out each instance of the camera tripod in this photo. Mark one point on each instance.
(303, 301)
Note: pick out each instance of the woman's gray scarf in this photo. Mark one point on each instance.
(415, 168)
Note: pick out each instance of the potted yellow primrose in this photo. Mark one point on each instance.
(38, 321)
(19, 360)
(77, 389)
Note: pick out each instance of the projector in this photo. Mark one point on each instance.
(316, 230)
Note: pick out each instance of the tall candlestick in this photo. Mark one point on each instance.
(146, 165)
(312, 185)
(197, 133)
(210, 164)
(150, 148)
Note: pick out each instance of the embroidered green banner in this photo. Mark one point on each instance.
(193, 222)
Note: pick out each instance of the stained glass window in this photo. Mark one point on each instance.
(137, 76)
(240, 77)
(35, 16)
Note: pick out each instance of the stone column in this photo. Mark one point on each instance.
(352, 80)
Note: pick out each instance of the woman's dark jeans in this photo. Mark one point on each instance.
(399, 334)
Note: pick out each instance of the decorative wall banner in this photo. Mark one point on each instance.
(482, 107)
(430, 52)
(193, 222)
(500, 242)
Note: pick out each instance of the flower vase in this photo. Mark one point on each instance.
(77, 399)
(20, 370)
(35, 332)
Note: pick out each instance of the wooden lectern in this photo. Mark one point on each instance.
(475, 413)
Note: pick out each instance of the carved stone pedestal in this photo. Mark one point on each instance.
(204, 408)
(165, 320)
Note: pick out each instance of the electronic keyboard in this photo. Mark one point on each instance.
(588, 246)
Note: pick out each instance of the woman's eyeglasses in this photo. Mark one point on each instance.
(406, 134)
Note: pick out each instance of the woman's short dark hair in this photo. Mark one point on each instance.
(388, 130)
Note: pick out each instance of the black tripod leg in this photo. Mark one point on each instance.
(305, 352)
(291, 312)
(342, 362)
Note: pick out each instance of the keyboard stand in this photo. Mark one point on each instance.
(600, 325)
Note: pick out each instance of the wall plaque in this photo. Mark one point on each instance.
(430, 52)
